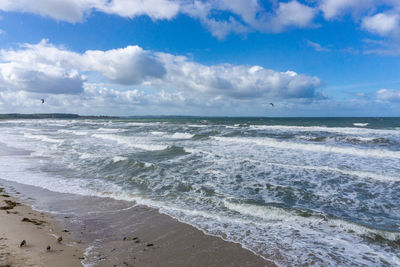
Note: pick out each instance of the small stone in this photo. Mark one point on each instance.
(48, 248)
(23, 243)
(59, 239)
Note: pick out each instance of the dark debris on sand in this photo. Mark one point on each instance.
(136, 239)
(34, 221)
(9, 205)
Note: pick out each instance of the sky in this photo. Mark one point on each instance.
(201, 57)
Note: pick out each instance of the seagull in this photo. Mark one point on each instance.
(272, 104)
(42, 100)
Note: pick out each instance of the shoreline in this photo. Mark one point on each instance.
(115, 232)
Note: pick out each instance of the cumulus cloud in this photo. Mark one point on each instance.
(242, 15)
(380, 18)
(45, 79)
(237, 81)
(130, 65)
(156, 9)
(223, 17)
(46, 68)
(388, 95)
(76, 10)
(39, 68)
(69, 10)
(294, 14)
(247, 16)
(382, 23)
(337, 8)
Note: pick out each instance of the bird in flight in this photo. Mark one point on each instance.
(42, 100)
(272, 104)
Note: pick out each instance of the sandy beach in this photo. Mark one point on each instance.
(133, 236)
(19, 222)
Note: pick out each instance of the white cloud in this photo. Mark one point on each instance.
(76, 10)
(40, 79)
(221, 29)
(2, 32)
(379, 17)
(223, 17)
(294, 14)
(45, 68)
(130, 65)
(242, 15)
(388, 95)
(140, 81)
(381, 23)
(40, 68)
(382, 47)
(337, 8)
(237, 81)
(66, 10)
(317, 46)
(156, 9)
(101, 99)
(247, 16)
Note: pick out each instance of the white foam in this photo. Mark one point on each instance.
(75, 132)
(147, 164)
(131, 142)
(343, 130)
(268, 213)
(142, 123)
(360, 138)
(360, 124)
(43, 138)
(362, 174)
(173, 136)
(198, 125)
(85, 155)
(269, 142)
(119, 158)
(182, 136)
(159, 133)
(109, 130)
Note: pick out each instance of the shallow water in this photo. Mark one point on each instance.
(299, 191)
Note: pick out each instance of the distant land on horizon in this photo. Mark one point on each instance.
(52, 116)
(77, 116)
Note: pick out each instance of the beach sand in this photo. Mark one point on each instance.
(122, 234)
(19, 222)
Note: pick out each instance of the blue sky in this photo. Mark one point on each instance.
(192, 57)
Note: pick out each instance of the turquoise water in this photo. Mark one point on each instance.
(319, 191)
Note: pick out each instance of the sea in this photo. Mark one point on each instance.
(298, 191)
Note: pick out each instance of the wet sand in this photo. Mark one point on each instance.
(115, 233)
(19, 222)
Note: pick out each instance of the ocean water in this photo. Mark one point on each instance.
(320, 191)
